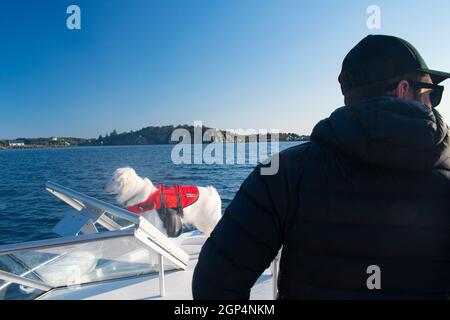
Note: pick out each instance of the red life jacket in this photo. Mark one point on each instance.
(176, 197)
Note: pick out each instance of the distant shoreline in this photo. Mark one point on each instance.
(35, 147)
(161, 135)
(32, 147)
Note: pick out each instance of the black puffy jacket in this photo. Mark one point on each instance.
(372, 188)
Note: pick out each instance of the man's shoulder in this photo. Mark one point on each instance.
(293, 161)
(296, 150)
(299, 152)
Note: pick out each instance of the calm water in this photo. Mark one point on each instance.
(28, 212)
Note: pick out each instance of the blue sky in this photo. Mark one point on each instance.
(229, 63)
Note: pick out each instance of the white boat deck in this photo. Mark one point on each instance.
(177, 283)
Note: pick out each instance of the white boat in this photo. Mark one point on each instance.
(104, 252)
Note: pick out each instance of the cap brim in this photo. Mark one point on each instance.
(436, 76)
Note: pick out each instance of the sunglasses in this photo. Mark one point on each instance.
(435, 94)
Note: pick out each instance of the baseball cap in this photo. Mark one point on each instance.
(381, 57)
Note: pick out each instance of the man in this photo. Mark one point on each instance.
(369, 193)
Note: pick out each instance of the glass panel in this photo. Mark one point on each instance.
(119, 221)
(13, 291)
(75, 264)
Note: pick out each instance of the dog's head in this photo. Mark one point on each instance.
(124, 183)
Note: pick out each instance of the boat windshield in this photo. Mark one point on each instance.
(28, 270)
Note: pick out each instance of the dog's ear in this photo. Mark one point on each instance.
(122, 180)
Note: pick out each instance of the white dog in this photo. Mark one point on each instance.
(132, 190)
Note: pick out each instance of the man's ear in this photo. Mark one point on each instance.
(402, 90)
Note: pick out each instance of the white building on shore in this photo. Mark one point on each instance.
(16, 144)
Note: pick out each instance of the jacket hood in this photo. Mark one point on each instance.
(388, 132)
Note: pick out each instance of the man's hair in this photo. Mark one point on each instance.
(378, 89)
